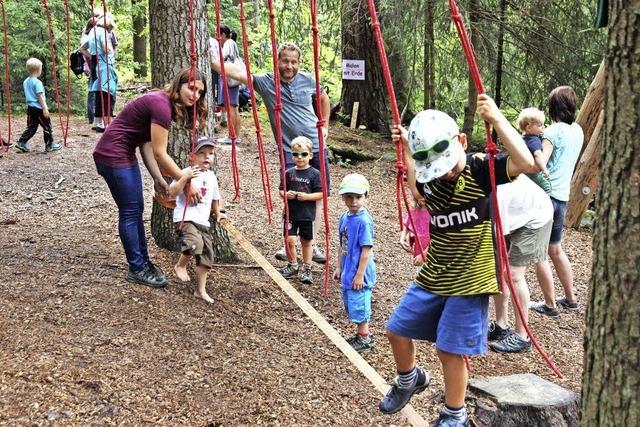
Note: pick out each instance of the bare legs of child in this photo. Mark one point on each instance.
(201, 277)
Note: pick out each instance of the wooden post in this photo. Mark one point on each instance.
(588, 118)
(585, 177)
(354, 115)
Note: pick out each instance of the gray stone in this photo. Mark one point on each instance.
(523, 400)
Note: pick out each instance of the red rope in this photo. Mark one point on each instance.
(400, 166)
(491, 150)
(65, 129)
(266, 185)
(227, 105)
(277, 108)
(7, 83)
(320, 125)
(54, 59)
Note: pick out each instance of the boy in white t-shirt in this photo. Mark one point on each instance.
(195, 239)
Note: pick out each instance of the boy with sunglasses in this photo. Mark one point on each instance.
(449, 299)
(304, 188)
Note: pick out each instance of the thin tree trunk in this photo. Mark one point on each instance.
(500, 54)
(170, 52)
(470, 107)
(429, 70)
(611, 377)
(139, 38)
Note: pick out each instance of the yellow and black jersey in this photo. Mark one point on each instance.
(461, 256)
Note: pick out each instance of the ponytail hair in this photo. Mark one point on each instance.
(183, 114)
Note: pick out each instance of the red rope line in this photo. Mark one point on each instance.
(491, 150)
(266, 185)
(320, 125)
(54, 59)
(65, 129)
(277, 108)
(227, 105)
(106, 50)
(7, 83)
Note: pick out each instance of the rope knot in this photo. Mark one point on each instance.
(320, 123)
(492, 149)
(402, 168)
(277, 107)
(193, 57)
(375, 25)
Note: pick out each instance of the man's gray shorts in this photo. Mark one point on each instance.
(529, 246)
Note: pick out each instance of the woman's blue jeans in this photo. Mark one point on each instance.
(125, 185)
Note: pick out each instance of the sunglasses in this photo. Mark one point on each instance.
(424, 154)
(303, 154)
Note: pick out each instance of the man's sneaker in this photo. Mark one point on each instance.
(288, 271)
(147, 277)
(514, 343)
(22, 146)
(52, 146)
(497, 332)
(398, 397)
(361, 345)
(447, 420)
(307, 276)
(281, 255)
(573, 306)
(542, 308)
(318, 256)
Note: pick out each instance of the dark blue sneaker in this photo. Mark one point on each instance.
(22, 146)
(446, 420)
(497, 332)
(398, 397)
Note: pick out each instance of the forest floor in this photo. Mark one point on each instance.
(79, 345)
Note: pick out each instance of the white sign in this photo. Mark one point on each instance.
(352, 69)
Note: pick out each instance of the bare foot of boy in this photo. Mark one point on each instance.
(181, 273)
(205, 296)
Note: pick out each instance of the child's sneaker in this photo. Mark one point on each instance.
(360, 344)
(564, 303)
(52, 146)
(22, 146)
(147, 276)
(514, 343)
(289, 271)
(497, 332)
(448, 420)
(281, 255)
(397, 397)
(307, 276)
(318, 256)
(542, 308)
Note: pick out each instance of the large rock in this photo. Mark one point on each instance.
(523, 400)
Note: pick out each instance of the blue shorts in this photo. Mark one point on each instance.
(314, 162)
(234, 94)
(559, 211)
(357, 304)
(457, 324)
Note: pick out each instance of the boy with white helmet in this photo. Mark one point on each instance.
(356, 269)
(448, 302)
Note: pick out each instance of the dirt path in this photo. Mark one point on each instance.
(80, 345)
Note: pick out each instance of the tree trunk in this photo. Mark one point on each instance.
(358, 43)
(139, 38)
(586, 171)
(170, 52)
(470, 107)
(611, 377)
(429, 70)
(500, 54)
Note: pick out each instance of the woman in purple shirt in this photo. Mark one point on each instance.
(144, 123)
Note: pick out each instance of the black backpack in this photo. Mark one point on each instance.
(76, 61)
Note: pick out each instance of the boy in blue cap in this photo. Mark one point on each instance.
(356, 269)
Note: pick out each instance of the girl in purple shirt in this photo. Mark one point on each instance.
(144, 123)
